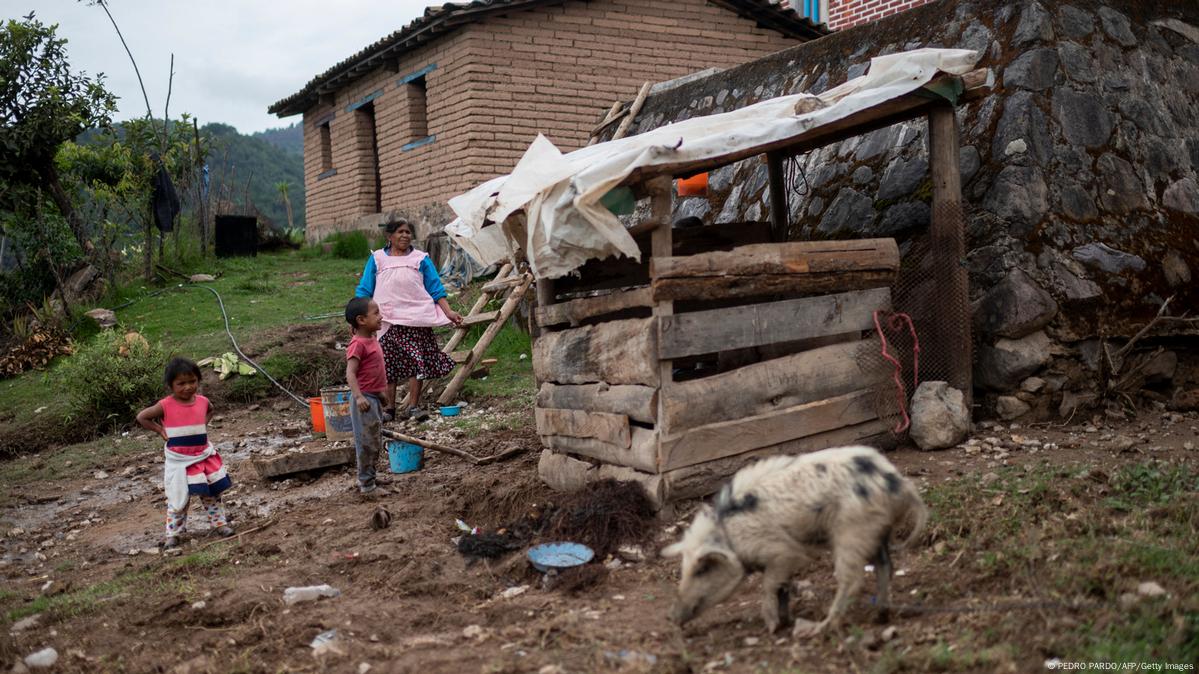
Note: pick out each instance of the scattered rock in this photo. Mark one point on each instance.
(1011, 407)
(902, 177)
(1034, 69)
(1150, 589)
(1182, 196)
(850, 210)
(1075, 22)
(475, 632)
(631, 553)
(1015, 307)
(890, 633)
(1117, 26)
(940, 418)
(1003, 365)
(105, 318)
(1032, 385)
(294, 595)
(1083, 117)
(988, 478)
(1019, 194)
(514, 591)
(1103, 257)
(43, 659)
(1123, 443)
(201, 278)
(26, 623)
(1034, 26)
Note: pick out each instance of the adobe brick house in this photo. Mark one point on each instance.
(454, 98)
(838, 14)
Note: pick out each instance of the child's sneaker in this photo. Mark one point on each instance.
(224, 531)
(389, 415)
(373, 491)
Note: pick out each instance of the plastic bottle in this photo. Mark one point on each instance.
(295, 595)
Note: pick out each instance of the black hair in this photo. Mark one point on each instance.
(355, 309)
(392, 225)
(180, 366)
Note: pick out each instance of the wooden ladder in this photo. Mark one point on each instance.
(516, 284)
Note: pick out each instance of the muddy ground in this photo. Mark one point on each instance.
(1024, 561)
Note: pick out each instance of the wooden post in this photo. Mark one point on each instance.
(948, 236)
(662, 245)
(778, 196)
(480, 347)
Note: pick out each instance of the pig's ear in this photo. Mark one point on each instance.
(710, 559)
(672, 550)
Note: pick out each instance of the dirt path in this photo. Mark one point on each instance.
(75, 551)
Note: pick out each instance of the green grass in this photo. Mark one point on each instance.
(1067, 536)
(68, 461)
(174, 576)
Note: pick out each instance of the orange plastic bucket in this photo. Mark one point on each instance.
(695, 186)
(317, 411)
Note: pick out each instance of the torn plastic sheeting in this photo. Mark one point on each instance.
(565, 224)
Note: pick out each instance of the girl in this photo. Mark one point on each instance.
(365, 373)
(405, 284)
(192, 465)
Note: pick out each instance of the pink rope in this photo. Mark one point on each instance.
(895, 322)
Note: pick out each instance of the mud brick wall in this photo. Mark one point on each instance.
(1080, 172)
(849, 13)
(496, 85)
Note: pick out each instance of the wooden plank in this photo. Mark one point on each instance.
(634, 110)
(484, 297)
(794, 257)
(610, 428)
(303, 461)
(775, 384)
(642, 452)
(729, 438)
(639, 403)
(706, 478)
(717, 330)
(565, 473)
(662, 241)
(951, 336)
(576, 311)
(778, 196)
(480, 347)
(477, 319)
(745, 287)
(623, 272)
(616, 352)
(894, 111)
(501, 284)
(460, 356)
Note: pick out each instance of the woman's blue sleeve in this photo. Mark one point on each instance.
(432, 279)
(366, 286)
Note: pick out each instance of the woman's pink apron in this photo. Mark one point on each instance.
(400, 292)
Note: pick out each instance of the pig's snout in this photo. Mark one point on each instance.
(680, 613)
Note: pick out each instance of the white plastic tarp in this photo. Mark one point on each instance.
(564, 224)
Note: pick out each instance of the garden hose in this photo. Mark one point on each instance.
(240, 354)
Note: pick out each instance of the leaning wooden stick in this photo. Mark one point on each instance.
(478, 461)
(238, 535)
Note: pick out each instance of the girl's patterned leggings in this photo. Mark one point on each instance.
(177, 520)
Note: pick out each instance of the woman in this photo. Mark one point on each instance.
(404, 283)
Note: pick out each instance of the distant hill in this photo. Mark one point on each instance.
(286, 138)
(264, 159)
(237, 158)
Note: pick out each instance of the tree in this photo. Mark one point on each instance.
(283, 187)
(42, 105)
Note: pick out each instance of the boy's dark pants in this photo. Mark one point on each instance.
(368, 438)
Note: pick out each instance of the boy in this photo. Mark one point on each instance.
(365, 373)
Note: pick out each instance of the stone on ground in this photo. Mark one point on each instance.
(939, 416)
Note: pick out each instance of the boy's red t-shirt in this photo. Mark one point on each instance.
(372, 374)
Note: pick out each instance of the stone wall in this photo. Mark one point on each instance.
(1079, 171)
(496, 84)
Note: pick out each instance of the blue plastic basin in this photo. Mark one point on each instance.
(404, 457)
(450, 411)
(559, 555)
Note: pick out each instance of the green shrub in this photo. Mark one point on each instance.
(112, 378)
(350, 245)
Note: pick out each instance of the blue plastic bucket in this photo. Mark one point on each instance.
(404, 457)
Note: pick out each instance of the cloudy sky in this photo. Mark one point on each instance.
(233, 58)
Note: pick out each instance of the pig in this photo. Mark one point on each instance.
(775, 514)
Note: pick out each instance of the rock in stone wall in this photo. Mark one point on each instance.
(1080, 172)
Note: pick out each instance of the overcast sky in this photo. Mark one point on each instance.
(233, 58)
